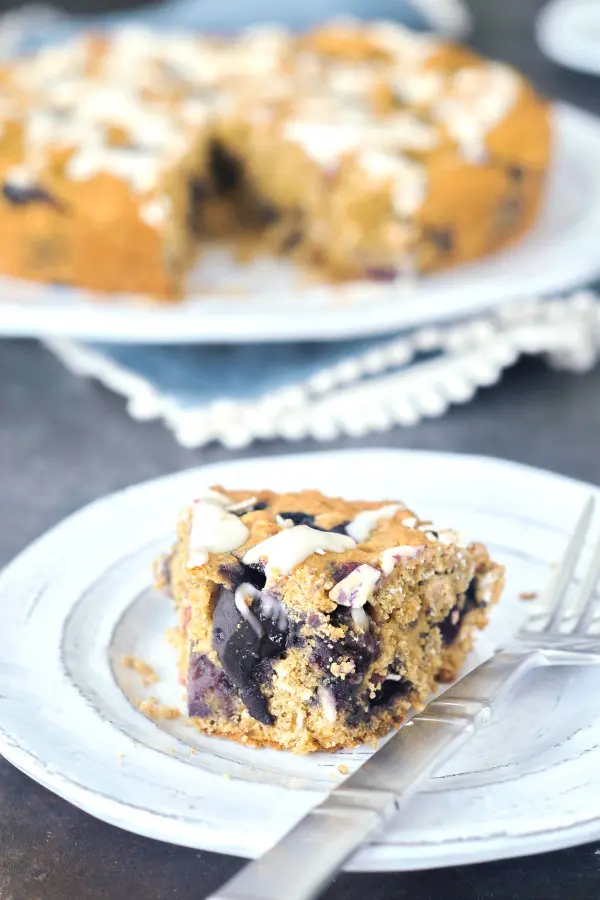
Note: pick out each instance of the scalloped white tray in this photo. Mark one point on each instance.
(79, 598)
(265, 301)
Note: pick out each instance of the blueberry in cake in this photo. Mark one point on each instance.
(362, 150)
(312, 623)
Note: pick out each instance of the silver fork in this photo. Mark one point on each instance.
(308, 857)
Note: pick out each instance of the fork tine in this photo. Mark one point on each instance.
(586, 593)
(558, 587)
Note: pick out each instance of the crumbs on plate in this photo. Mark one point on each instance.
(148, 674)
(155, 710)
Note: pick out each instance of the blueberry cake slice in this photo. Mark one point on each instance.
(313, 623)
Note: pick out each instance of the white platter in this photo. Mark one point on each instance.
(266, 303)
(568, 31)
(79, 598)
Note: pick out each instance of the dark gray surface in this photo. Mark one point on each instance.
(64, 442)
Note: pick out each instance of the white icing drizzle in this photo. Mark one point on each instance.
(446, 536)
(325, 143)
(328, 704)
(281, 552)
(477, 100)
(283, 522)
(156, 212)
(271, 607)
(243, 592)
(409, 179)
(213, 530)
(360, 618)
(449, 536)
(196, 111)
(395, 556)
(356, 589)
(50, 128)
(263, 47)
(333, 131)
(406, 132)
(365, 522)
(346, 79)
(242, 506)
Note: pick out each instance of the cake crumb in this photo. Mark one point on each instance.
(173, 637)
(148, 674)
(155, 710)
(227, 776)
(341, 669)
(528, 595)
(343, 769)
(120, 757)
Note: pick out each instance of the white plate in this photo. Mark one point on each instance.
(568, 31)
(78, 599)
(562, 251)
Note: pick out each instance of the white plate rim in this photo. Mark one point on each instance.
(571, 259)
(558, 30)
(384, 855)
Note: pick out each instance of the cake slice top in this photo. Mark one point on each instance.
(317, 552)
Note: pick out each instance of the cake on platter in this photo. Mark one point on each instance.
(360, 150)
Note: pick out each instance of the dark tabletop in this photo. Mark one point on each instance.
(65, 441)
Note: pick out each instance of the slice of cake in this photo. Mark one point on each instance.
(314, 623)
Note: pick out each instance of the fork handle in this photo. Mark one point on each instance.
(305, 860)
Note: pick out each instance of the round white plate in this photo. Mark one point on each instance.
(265, 301)
(79, 598)
(568, 31)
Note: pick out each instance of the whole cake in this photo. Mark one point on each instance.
(311, 623)
(363, 150)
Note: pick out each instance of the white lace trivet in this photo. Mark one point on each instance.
(238, 394)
